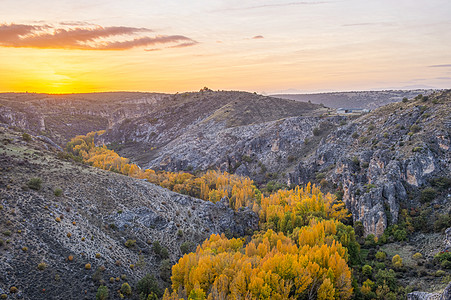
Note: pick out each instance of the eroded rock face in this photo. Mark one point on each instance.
(445, 295)
(377, 159)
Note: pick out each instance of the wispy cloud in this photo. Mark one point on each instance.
(369, 24)
(82, 36)
(257, 37)
(440, 66)
(297, 3)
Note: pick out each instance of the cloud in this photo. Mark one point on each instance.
(81, 36)
(297, 3)
(440, 66)
(369, 24)
(257, 37)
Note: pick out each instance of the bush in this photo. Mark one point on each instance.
(58, 192)
(405, 100)
(400, 235)
(102, 293)
(367, 270)
(442, 222)
(417, 256)
(35, 183)
(126, 289)
(88, 266)
(165, 270)
(148, 285)
(387, 277)
(355, 135)
(156, 247)
(428, 194)
(42, 266)
(130, 243)
(26, 137)
(186, 247)
(397, 261)
(415, 128)
(316, 131)
(381, 256)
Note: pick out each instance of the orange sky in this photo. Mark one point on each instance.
(264, 46)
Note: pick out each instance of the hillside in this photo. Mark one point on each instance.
(361, 99)
(80, 215)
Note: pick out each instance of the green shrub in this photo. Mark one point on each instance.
(26, 137)
(387, 277)
(130, 243)
(42, 266)
(381, 256)
(126, 289)
(400, 235)
(186, 247)
(367, 270)
(405, 100)
(165, 270)
(146, 286)
(102, 293)
(58, 192)
(35, 183)
(355, 135)
(316, 131)
(428, 194)
(415, 128)
(156, 247)
(442, 222)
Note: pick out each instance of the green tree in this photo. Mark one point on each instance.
(102, 293)
(146, 286)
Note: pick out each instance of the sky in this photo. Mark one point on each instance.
(279, 46)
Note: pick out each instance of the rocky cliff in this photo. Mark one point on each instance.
(382, 160)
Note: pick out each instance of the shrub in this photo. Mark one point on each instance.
(13, 290)
(428, 194)
(164, 253)
(126, 289)
(156, 247)
(367, 270)
(415, 128)
(88, 266)
(316, 131)
(397, 261)
(370, 240)
(26, 137)
(405, 100)
(186, 247)
(355, 135)
(35, 183)
(400, 235)
(381, 256)
(58, 192)
(42, 266)
(102, 293)
(165, 270)
(387, 277)
(417, 256)
(130, 243)
(148, 285)
(442, 222)
(180, 233)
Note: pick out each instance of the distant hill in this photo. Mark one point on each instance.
(363, 99)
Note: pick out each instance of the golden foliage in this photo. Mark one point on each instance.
(271, 266)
